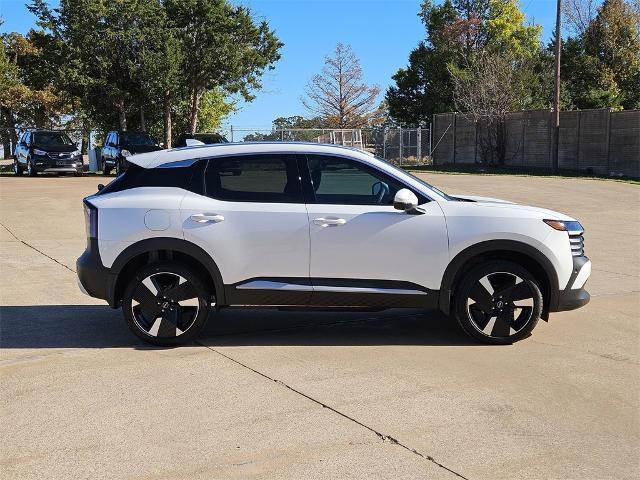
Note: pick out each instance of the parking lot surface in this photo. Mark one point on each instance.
(267, 394)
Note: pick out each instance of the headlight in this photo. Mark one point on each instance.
(125, 153)
(565, 226)
(39, 152)
(75, 153)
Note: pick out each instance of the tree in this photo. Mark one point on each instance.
(488, 89)
(338, 95)
(157, 65)
(456, 32)
(579, 14)
(601, 66)
(28, 96)
(224, 49)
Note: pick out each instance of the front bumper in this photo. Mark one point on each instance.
(45, 164)
(574, 295)
(572, 299)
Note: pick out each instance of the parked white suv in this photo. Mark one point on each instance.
(186, 230)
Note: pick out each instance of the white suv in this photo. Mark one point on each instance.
(186, 230)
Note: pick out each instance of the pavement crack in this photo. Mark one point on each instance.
(380, 435)
(36, 249)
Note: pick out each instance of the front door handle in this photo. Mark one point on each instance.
(329, 222)
(207, 217)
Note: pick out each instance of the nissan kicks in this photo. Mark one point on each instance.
(190, 230)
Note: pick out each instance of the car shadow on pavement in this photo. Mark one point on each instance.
(96, 326)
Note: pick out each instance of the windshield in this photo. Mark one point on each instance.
(50, 139)
(417, 179)
(136, 138)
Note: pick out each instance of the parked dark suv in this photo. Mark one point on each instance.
(41, 150)
(206, 138)
(118, 145)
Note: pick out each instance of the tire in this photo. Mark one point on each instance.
(118, 168)
(498, 302)
(155, 307)
(31, 170)
(106, 170)
(17, 169)
(77, 174)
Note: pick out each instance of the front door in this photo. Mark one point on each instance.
(363, 251)
(253, 222)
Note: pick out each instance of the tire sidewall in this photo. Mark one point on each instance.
(474, 275)
(31, 170)
(203, 311)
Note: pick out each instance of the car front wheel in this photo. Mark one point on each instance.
(166, 304)
(498, 302)
(31, 170)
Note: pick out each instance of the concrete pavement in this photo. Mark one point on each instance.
(269, 394)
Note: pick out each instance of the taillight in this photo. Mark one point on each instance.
(91, 220)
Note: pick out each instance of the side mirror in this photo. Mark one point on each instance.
(406, 201)
(100, 186)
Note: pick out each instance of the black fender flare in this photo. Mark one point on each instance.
(164, 243)
(490, 246)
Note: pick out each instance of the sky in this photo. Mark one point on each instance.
(382, 33)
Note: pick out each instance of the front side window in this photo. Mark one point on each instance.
(341, 181)
(254, 178)
(137, 139)
(51, 139)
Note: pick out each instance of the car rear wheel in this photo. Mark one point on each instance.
(166, 304)
(498, 302)
(17, 169)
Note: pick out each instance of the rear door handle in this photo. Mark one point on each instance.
(329, 222)
(207, 217)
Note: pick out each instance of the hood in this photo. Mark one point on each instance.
(56, 148)
(141, 148)
(475, 198)
(525, 210)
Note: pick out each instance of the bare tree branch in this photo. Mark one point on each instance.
(338, 94)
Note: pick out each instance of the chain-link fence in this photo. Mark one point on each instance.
(401, 146)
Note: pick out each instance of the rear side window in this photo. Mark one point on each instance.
(254, 178)
(187, 178)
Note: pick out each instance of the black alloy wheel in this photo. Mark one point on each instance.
(166, 304)
(498, 302)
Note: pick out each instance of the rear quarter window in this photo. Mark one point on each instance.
(188, 178)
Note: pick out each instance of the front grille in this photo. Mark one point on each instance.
(577, 244)
(60, 156)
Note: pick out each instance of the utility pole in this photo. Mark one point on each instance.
(556, 90)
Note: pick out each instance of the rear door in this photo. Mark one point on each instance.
(253, 222)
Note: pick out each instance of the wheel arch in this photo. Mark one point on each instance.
(154, 250)
(521, 253)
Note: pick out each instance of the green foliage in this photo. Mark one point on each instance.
(601, 66)
(457, 31)
(137, 63)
